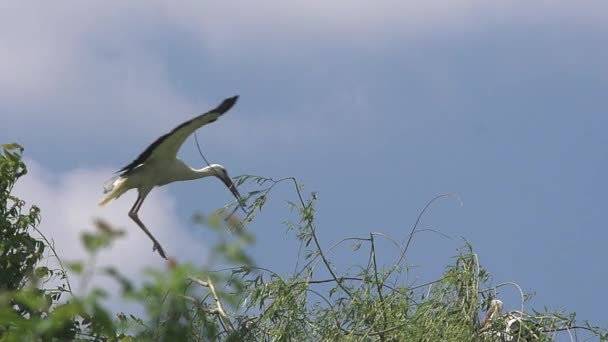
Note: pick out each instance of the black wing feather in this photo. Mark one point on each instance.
(221, 109)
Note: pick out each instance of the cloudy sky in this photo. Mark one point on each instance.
(378, 106)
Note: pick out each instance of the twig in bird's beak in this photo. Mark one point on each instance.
(228, 182)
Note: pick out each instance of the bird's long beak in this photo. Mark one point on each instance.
(228, 182)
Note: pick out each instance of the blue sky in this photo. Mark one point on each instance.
(378, 107)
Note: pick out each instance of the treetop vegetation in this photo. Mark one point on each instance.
(233, 299)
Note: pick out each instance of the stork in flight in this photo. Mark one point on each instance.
(158, 165)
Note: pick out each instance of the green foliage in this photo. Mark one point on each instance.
(25, 308)
(19, 252)
(233, 299)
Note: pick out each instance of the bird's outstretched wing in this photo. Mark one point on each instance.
(166, 146)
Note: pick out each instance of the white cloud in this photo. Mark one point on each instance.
(100, 49)
(69, 205)
(84, 64)
(74, 67)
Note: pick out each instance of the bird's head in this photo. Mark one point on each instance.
(220, 172)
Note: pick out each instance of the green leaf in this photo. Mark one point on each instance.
(75, 267)
(41, 272)
(126, 284)
(13, 146)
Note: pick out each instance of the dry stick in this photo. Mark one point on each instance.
(220, 308)
(199, 303)
(211, 312)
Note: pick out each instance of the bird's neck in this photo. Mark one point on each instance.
(201, 173)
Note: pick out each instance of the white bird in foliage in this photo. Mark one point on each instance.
(158, 165)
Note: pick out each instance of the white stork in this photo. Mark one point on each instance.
(158, 165)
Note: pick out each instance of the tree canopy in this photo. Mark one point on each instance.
(233, 299)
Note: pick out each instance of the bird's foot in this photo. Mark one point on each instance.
(159, 248)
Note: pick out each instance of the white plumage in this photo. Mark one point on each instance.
(158, 165)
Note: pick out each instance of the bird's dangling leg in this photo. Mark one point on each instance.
(134, 217)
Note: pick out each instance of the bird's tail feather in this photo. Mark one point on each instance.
(110, 184)
(114, 191)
